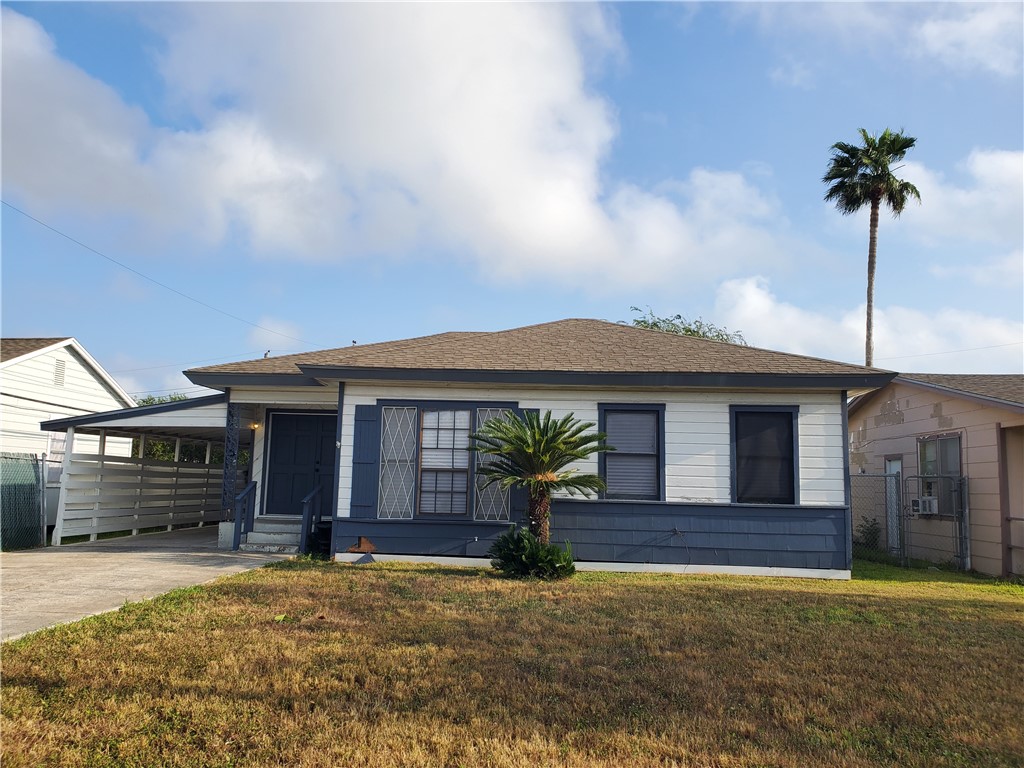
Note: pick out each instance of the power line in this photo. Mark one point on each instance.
(154, 280)
(952, 351)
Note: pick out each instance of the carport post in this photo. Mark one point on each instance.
(99, 491)
(58, 526)
(174, 482)
(227, 496)
(142, 472)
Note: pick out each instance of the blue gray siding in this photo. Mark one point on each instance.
(420, 537)
(695, 534)
(624, 532)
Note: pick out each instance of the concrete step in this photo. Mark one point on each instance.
(277, 525)
(273, 538)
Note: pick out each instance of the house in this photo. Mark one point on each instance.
(48, 378)
(957, 442)
(729, 458)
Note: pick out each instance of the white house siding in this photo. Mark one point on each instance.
(696, 426)
(29, 394)
(295, 399)
(890, 425)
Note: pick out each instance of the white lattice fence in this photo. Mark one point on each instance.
(103, 494)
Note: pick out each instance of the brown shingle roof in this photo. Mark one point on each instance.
(12, 348)
(579, 346)
(1008, 387)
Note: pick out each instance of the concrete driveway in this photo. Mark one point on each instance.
(43, 587)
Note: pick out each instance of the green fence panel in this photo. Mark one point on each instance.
(20, 501)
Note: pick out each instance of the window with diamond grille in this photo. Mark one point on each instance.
(398, 440)
(492, 501)
(444, 462)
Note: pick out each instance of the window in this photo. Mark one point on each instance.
(426, 469)
(634, 469)
(939, 467)
(444, 463)
(764, 454)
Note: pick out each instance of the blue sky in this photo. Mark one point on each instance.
(334, 172)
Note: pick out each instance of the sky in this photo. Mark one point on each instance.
(193, 183)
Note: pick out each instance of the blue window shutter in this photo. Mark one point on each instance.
(366, 461)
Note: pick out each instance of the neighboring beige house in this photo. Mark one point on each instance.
(935, 429)
(43, 379)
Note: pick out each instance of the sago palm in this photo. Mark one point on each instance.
(862, 175)
(533, 452)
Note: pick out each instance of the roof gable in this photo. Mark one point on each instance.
(17, 350)
(1002, 388)
(995, 389)
(13, 349)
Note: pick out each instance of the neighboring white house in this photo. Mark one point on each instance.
(43, 379)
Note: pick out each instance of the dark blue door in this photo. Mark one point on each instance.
(301, 457)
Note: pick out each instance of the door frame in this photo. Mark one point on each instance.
(268, 414)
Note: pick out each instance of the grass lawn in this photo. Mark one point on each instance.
(311, 664)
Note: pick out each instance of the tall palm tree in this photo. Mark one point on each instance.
(862, 175)
(532, 452)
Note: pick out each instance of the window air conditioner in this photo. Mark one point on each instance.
(925, 506)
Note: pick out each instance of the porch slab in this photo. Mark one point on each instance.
(43, 587)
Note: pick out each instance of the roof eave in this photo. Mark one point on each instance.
(225, 380)
(846, 381)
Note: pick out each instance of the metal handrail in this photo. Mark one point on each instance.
(309, 517)
(245, 513)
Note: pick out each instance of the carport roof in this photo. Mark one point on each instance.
(200, 418)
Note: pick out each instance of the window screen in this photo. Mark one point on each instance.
(492, 501)
(765, 463)
(633, 469)
(397, 463)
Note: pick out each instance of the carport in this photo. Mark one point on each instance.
(103, 492)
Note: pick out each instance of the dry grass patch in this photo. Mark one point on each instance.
(311, 664)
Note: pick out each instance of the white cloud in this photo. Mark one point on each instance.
(945, 339)
(987, 209)
(358, 129)
(1005, 272)
(962, 37)
(986, 37)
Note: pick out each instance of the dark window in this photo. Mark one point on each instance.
(765, 456)
(633, 469)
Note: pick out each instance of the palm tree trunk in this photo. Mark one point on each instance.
(539, 511)
(869, 342)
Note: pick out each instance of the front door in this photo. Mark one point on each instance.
(302, 450)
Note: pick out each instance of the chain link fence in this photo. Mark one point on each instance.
(22, 521)
(879, 529)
